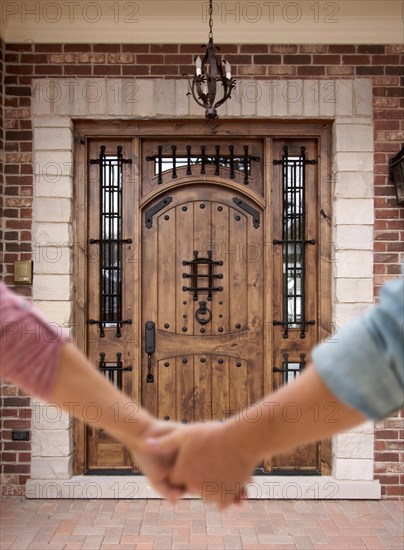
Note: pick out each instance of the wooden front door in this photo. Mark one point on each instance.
(205, 300)
(209, 286)
(200, 292)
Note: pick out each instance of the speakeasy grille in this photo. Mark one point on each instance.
(110, 240)
(294, 241)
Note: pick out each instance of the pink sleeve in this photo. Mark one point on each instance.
(29, 345)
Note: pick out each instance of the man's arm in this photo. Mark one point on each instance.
(216, 460)
(316, 414)
(359, 376)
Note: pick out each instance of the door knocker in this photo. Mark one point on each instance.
(201, 312)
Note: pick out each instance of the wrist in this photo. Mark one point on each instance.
(133, 432)
(251, 435)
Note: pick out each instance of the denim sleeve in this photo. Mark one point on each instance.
(363, 365)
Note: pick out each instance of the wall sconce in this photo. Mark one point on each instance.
(208, 73)
(396, 175)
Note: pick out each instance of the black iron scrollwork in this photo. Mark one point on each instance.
(241, 162)
(113, 370)
(249, 209)
(102, 324)
(195, 275)
(294, 241)
(290, 370)
(154, 209)
(110, 240)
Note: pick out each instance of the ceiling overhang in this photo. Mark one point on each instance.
(185, 21)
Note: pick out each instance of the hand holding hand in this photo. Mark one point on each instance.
(158, 466)
(211, 461)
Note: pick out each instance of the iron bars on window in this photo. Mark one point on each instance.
(290, 370)
(113, 370)
(173, 160)
(110, 241)
(294, 241)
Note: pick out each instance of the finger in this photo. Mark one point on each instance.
(169, 492)
(243, 494)
(166, 443)
(241, 497)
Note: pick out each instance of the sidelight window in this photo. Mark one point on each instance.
(293, 241)
(110, 239)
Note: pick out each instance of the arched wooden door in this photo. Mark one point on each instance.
(202, 302)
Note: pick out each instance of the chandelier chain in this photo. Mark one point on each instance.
(210, 20)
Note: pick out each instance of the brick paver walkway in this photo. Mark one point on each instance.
(190, 524)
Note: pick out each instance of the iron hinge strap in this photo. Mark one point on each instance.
(249, 209)
(154, 209)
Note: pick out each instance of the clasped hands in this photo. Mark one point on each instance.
(210, 460)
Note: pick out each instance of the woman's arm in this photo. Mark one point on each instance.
(36, 355)
(78, 383)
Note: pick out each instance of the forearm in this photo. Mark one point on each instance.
(302, 411)
(78, 384)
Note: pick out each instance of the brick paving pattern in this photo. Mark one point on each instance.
(192, 525)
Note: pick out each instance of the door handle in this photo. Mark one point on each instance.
(150, 348)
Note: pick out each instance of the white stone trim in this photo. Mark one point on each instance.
(348, 103)
(262, 487)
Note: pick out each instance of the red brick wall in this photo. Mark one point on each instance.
(389, 456)
(384, 64)
(1, 152)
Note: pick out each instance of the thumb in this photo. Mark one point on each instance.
(165, 444)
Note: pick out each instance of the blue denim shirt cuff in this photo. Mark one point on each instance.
(363, 363)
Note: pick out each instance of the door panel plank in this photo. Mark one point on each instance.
(238, 392)
(149, 307)
(237, 271)
(202, 388)
(254, 297)
(185, 388)
(220, 387)
(167, 277)
(166, 380)
(183, 244)
(220, 243)
(202, 242)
